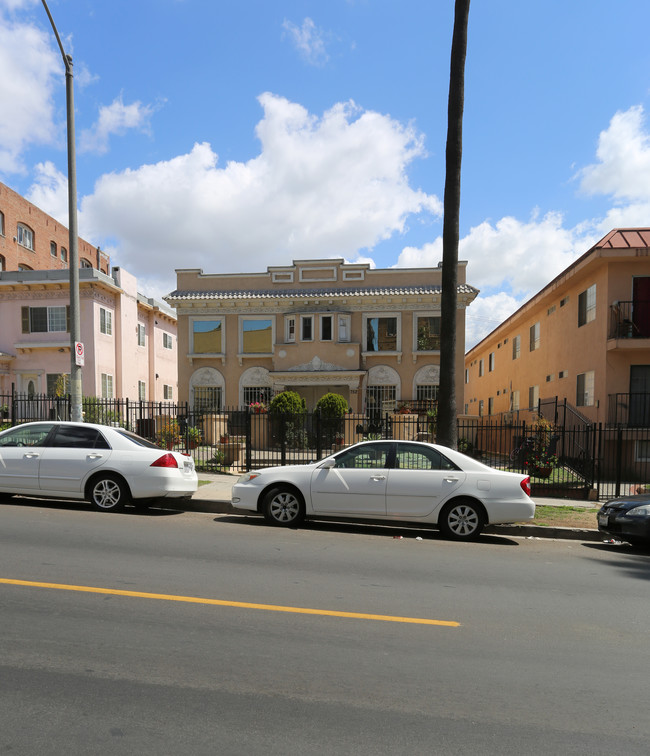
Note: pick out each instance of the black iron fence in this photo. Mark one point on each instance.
(564, 455)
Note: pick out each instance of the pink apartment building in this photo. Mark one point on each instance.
(129, 339)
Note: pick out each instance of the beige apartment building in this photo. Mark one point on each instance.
(315, 326)
(583, 338)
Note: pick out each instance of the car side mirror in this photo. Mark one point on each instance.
(328, 463)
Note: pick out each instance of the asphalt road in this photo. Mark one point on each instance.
(214, 634)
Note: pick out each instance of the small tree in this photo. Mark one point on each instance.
(332, 408)
(287, 403)
(287, 409)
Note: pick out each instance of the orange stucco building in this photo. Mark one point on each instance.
(583, 338)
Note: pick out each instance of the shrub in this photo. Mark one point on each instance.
(97, 411)
(332, 406)
(287, 403)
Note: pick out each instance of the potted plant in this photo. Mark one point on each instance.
(257, 408)
(169, 433)
(540, 462)
(404, 409)
(224, 438)
(193, 437)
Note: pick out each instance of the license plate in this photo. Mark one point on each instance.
(603, 520)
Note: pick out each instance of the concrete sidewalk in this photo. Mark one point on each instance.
(214, 497)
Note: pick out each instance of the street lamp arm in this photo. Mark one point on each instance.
(67, 59)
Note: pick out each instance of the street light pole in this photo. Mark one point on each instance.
(75, 318)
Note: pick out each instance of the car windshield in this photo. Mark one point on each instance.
(135, 439)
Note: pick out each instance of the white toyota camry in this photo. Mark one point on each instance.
(105, 465)
(404, 481)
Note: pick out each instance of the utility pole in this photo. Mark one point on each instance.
(75, 318)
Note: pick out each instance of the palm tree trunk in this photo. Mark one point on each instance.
(447, 413)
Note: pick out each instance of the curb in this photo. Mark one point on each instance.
(209, 506)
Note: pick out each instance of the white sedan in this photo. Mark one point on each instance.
(105, 465)
(403, 481)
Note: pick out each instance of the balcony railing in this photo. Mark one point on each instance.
(629, 410)
(629, 320)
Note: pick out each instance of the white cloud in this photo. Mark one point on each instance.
(509, 262)
(308, 40)
(623, 167)
(14, 5)
(521, 257)
(320, 187)
(26, 89)
(116, 118)
(50, 191)
(622, 170)
(486, 313)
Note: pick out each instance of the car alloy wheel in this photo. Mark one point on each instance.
(108, 493)
(462, 520)
(283, 506)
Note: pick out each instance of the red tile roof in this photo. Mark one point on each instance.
(626, 238)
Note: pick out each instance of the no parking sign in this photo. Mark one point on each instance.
(79, 353)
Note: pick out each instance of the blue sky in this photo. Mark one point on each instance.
(233, 136)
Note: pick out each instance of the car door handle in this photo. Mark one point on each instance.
(377, 477)
(95, 456)
(451, 480)
(32, 455)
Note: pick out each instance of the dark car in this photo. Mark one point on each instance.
(627, 518)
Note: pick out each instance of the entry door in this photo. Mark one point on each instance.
(356, 485)
(422, 479)
(641, 306)
(639, 395)
(72, 454)
(21, 450)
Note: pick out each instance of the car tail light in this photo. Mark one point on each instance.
(167, 460)
(525, 485)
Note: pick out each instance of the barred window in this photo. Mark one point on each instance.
(426, 392)
(207, 398)
(256, 394)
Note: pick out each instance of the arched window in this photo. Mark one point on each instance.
(2, 263)
(207, 389)
(255, 385)
(25, 236)
(383, 389)
(23, 266)
(85, 263)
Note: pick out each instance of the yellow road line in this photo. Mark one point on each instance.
(236, 604)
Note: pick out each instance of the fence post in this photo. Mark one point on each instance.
(283, 438)
(598, 447)
(319, 440)
(249, 452)
(619, 460)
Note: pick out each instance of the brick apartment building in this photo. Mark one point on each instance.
(32, 240)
